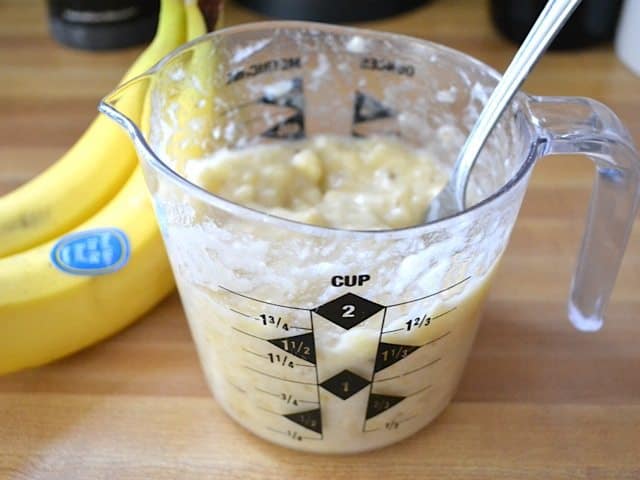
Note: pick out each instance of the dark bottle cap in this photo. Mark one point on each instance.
(331, 10)
(103, 24)
(592, 23)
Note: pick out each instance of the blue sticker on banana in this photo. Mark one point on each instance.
(91, 252)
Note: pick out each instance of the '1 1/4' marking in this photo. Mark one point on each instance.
(281, 360)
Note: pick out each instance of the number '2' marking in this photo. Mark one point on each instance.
(347, 311)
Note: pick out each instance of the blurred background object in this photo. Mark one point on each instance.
(213, 11)
(103, 24)
(593, 22)
(628, 35)
(331, 10)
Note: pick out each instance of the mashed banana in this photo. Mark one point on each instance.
(365, 184)
(327, 342)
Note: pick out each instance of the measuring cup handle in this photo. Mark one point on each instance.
(571, 125)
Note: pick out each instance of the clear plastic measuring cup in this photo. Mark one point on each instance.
(331, 340)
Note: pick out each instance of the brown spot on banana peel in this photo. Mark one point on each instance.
(26, 220)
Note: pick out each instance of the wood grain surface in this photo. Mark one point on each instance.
(538, 400)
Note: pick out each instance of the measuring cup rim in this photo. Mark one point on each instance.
(242, 210)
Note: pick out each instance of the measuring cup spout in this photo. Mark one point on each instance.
(127, 105)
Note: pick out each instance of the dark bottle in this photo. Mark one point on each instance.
(593, 22)
(103, 24)
(331, 10)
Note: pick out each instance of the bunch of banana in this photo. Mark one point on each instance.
(86, 257)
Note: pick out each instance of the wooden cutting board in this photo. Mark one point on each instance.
(538, 400)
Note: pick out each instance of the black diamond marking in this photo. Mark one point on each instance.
(311, 419)
(367, 108)
(390, 353)
(301, 346)
(381, 403)
(345, 384)
(348, 310)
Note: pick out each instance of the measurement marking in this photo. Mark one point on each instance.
(261, 301)
(393, 331)
(373, 375)
(278, 396)
(268, 393)
(248, 103)
(277, 378)
(239, 106)
(406, 419)
(257, 119)
(410, 371)
(436, 339)
(256, 318)
(316, 366)
(443, 313)
(297, 436)
(432, 294)
(240, 313)
(418, 391)
(255, 353)
(432, 318)
(302, 365)
(270, 411)
(237, 387)
(247, 333)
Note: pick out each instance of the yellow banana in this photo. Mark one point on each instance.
(191, 137)
(84, 179)
(196, 25)
(48, 310)
(46, 313)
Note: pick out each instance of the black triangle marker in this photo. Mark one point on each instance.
(381, 403)
(390, 353)
(291, 128)
(367, 108)
(311, 419)
(301, 346)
